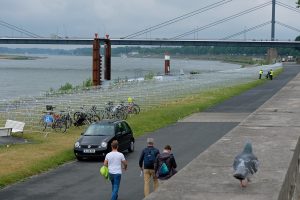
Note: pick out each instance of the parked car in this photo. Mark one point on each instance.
(95, 142)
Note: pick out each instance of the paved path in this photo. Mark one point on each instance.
(190, 137)
(273, 129)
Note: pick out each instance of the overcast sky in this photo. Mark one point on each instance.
(118, 18)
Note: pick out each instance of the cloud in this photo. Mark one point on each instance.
(82, 18)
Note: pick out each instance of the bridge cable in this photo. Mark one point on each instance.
(21, 30)
(287, 6)
(222, 20)
(176, 19)
(247, 30)
(288, 26)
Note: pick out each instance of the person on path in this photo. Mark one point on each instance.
(114, 161)
(268, 75)
(260, 73)
(165, 164)
(146, 163)
(271, 74)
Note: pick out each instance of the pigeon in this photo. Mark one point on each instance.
(245, 165)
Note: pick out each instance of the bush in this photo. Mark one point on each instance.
(66, 87)
(87, 83)
(149, 76)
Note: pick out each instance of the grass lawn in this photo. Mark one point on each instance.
(23, 160)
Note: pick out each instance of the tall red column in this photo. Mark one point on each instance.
(107, 69)
(167, 64)
(96, 61)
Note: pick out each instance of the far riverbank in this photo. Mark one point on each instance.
(19, 57)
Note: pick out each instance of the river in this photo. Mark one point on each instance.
(32, 77)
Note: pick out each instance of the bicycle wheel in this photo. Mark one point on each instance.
(101, 114)
(120, 115)
(60, 125)
(77, 115)
(69, 121)
(137, 107)
(44, 126)
(134, 110)
(95, 118)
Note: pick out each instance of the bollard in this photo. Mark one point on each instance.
(167, 64)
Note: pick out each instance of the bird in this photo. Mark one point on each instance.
(245, 165)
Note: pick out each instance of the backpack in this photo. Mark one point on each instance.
(149, 157)
(163, 170)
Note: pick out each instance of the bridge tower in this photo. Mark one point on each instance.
(272, 52)
(96, 61)
(273, 21)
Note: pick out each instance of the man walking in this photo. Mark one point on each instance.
(146, 164)
(260, 73)
(114, 161)
(165, 164)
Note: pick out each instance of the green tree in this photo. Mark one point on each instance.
(298, 3)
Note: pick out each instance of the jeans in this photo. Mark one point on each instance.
(147, 178)
(115, 183)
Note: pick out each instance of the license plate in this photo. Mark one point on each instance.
(88, 150)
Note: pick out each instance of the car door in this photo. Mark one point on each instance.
(120, 136)
(127, 134)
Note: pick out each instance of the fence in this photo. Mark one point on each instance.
(147, 94)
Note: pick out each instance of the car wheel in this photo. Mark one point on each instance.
(131, 147)
(79, 158)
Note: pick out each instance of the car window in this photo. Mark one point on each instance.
(126, 127)
(100, 129)
(119, 127)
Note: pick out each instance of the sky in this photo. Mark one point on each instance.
(119, 18)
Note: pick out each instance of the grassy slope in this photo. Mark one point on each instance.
(21, 161)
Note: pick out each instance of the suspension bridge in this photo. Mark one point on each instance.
(177, 40)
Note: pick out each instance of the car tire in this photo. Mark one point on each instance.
(79, 158)
(131, 146)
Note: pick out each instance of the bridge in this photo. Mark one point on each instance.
(155, 42)
(97, 61)
(178, 40)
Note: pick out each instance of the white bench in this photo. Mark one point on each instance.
(12, 126)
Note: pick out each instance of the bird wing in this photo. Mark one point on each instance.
(252, 163)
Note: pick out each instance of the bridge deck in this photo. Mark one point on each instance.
(153, 42)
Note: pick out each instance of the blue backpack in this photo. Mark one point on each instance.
(149, 157)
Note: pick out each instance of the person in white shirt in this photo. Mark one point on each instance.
(114, 161)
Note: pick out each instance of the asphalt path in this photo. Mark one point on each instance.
(81, 180)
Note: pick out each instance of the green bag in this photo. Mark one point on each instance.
(104, 172)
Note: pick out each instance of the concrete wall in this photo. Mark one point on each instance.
(274, 130)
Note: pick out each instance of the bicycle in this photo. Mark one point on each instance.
(53, 120)
(85, 116)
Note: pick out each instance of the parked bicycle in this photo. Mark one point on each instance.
(67, 116)
(112, 111)
(53, 120)
(86, 116)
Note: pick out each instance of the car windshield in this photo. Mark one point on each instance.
(100, 129)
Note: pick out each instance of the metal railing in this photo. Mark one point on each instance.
(147, 94)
